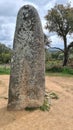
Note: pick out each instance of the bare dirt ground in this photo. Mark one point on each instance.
(60, 116)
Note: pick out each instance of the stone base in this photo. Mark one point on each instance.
(32, 104)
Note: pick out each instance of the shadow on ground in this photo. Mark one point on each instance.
(7, 117)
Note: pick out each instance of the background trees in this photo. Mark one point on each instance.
(60, 20)
(5, 54)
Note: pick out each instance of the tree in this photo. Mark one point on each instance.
(5, 54)
(71, 57)
(60, 20)
(47, 40)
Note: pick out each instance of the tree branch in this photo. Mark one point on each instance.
(70, 45)
(57, 48)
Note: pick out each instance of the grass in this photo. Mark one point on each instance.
(4, 70)
(53, 70)
(59, 71)
(58, 74)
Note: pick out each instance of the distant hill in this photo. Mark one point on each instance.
(53, 50)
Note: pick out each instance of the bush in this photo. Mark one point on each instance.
(67, 70)
(4, 70)
(55, 69)
(60, 69)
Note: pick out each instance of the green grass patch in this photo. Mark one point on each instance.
(59, 71)
(58, 74)
(4, 70)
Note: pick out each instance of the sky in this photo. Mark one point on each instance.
(8, 15)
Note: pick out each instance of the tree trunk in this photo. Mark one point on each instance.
(65, 58)
(65, 51)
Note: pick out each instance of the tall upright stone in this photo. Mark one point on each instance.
(27, 78)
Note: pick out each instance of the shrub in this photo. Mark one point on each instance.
(60, 69)
(4, 70)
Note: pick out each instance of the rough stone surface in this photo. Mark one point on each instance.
(27, 78)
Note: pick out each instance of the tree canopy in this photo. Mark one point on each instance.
(60, 20)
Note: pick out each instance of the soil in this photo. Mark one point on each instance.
(59, 117)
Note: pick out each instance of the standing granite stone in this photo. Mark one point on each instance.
(27, 78)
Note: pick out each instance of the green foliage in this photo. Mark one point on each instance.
(70, 61)
(5, 54)
(55, 69)
(55, 55)
(4, 70)
(71, 50)
(53, 58)
(5, 57)
(54, 63)
(53, 95)
(47, 55)
(47, 40)
(47, 101)
(45, 106)
(60, 19)
(60, 69)
(60, 56)
(67, 70)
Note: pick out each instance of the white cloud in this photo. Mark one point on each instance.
(49, 5)
(11, 7)
(71, 1)
(7, 32)
(8, 13)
